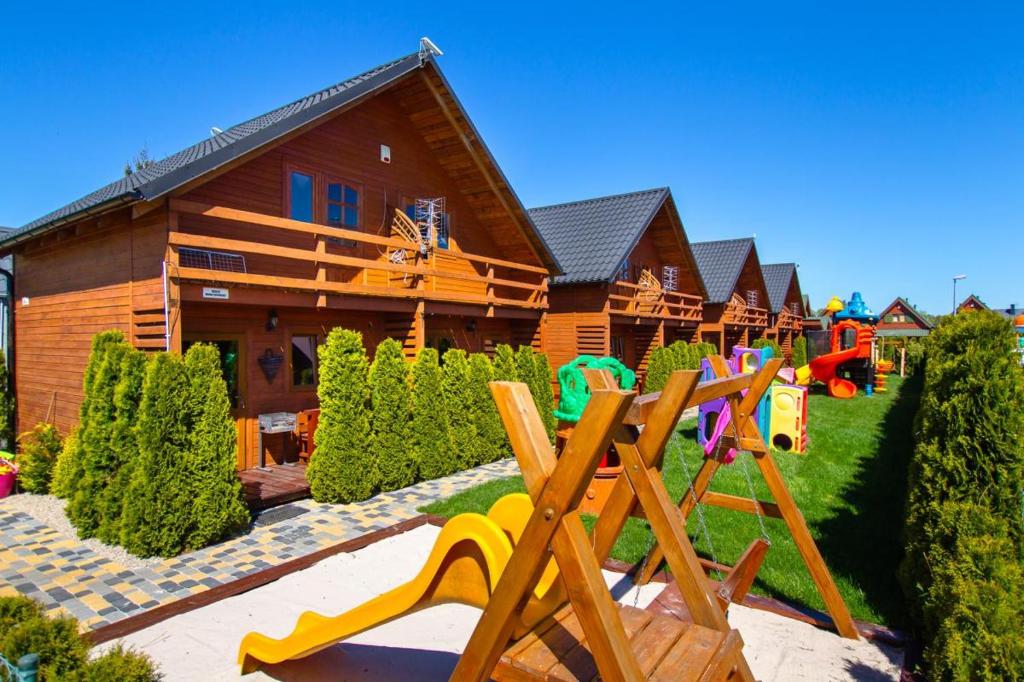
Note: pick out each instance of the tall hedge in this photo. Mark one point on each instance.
(70, 470)
(341, 468)
(391, 410)
(543, 393)
(456, 386)
(964, 544)
(6, 406)
(799, 351)
(153, 522)
(430, 436)
(123, 443)
(94, 436)
(488, 421)
(659, 367)
(505, 366)
(217, 507)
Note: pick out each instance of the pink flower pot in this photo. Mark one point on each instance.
(7, 479)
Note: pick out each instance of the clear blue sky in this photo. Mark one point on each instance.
(880, 148)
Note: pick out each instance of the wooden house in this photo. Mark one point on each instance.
(786, 310)
(902, 320)
(735, 310)
(972, 302)
(372, 204)
(630, 282)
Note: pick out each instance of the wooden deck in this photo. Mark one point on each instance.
(276, 485)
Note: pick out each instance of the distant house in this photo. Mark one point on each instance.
(1010, 313)
(901, 320)
(631, 282)
(736, 309)
(786, 304)
(972, 302)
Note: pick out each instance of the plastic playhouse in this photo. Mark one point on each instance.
(841, 357)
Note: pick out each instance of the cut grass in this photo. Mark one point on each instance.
(850, 486)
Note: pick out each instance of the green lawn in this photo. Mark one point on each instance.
(850, 486)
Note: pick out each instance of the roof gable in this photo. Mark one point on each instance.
(721, 263)
(777, 279)
(591, 238)
(904, 304)
(972, 302)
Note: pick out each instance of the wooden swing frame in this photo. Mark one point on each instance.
(744, 435)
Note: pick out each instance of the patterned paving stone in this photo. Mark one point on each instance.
(66, 576)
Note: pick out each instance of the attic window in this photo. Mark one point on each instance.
(796, 308)
(752, 298)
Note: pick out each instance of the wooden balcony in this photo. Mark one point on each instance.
(786, 319)
(291, 255)
(737, 312)
(627, 298)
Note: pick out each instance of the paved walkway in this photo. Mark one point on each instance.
(65, 575)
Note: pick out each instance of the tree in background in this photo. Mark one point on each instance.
(543, 394)
(217, 507)
(140, 161)
(123, 444)
(391, 411)
(494, 440)
(6, 406)
(505, 367)
(430, 436)
(456, 387)
(341, 468)
(152, 522)
(659, 367)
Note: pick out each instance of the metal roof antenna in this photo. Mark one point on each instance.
(427, 47)
(215, 131)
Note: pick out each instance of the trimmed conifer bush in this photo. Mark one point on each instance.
(525, 369)
(659, 368)
(37, 455)
(768, 343)
(155, 519)
(341, 468)
(64, 469)
(6, 406)
(799, 351)
(505, 366)
(494, 440)
(95, 442)
(124, 445)
(430, 436)
(217, 507)
(391, 410)
(543, 393)
(456, 387)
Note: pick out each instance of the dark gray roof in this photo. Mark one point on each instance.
(720, 264)
(210, 153)
(591, 238)
(777, 277)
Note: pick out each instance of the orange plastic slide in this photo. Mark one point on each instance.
(824, 370)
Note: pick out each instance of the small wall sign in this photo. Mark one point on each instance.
(216, 293)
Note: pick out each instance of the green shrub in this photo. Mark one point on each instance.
(60, 649)
(768, 343)
(505, 366)
(6, 406)
(117, 665)
(391, 410)
(456, 386)
(155, 519)
(915, 358)
(799, 358)
(495, 443)
(430, 435)
(341, 468)
(37, 456)
(64, 469)
(17, 610)
(543, 394)
(94, 435)
(704, 350)
(659, 367)
(123, 444)
(217, 507)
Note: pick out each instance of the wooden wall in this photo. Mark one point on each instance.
(660, 245)
(104, 274)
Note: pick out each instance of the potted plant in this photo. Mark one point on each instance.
(8, 475)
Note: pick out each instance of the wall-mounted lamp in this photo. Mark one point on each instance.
(272, 320)
(471, 326)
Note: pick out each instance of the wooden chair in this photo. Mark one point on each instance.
(305, 427)
(592, 635)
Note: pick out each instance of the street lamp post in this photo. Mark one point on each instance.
(956, 278)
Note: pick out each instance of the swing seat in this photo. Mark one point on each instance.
(665, 649)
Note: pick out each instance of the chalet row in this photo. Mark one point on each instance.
(373, 204)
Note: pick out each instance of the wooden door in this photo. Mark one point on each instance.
(232, 363)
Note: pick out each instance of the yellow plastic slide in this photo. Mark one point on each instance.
(464, 566)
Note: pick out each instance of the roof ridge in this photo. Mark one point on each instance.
(594, 200)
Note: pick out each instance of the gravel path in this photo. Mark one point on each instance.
(49, 510)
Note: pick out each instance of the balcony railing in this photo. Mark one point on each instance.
(305, 257)
(738, 312)
(788, 320)
(626, 298)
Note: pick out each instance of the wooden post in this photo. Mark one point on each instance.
(173, 295)
(903, 361)
(321, 270)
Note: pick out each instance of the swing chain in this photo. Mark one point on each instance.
(757, 502)
(697, 506)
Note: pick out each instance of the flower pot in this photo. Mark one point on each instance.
(8, 475)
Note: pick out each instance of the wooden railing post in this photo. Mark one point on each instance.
(321, 270)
